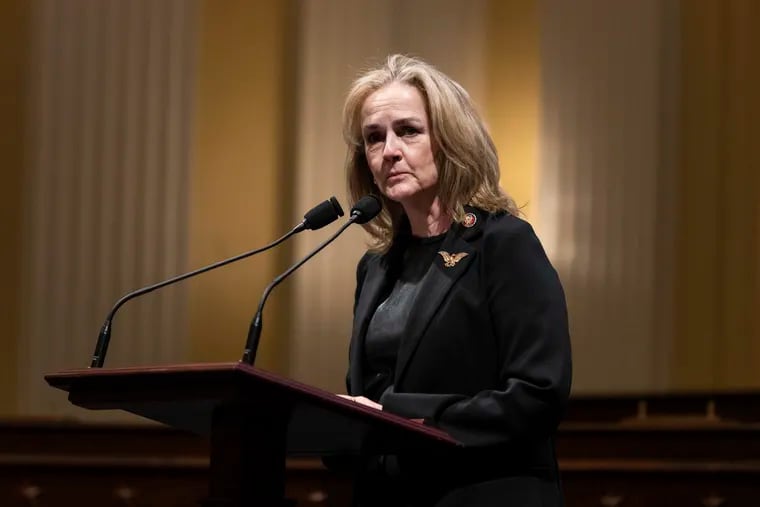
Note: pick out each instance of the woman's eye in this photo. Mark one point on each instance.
(408, 130)
(373, 137)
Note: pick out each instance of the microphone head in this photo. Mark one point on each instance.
(322, 214)
(366, 209)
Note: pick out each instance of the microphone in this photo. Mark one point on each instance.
(319, 216)
(363, 211)
(322, 214)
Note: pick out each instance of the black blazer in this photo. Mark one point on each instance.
(486, 357)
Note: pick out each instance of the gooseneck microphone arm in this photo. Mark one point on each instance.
(99, 356)
(324, 213)
(366, 209)
(254, 331)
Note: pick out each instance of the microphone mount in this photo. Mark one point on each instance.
(365, 210)
(101, 348)
(322, 214)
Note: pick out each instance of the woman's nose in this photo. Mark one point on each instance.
(392, 148)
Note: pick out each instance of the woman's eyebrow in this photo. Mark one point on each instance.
(408, 119)
(399, 121)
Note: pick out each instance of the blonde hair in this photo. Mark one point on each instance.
(465, 155)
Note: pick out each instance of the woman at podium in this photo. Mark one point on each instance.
(460, 320)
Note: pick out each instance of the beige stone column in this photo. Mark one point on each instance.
(717, 338)
(605, 188)
(105, 193)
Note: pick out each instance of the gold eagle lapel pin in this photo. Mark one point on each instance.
(451, 260)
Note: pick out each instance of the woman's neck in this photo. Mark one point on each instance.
(427, 220)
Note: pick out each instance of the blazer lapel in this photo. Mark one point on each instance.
(436, 283)
(376, 278)
(434, 286)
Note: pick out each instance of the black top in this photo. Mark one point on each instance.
(386, 329)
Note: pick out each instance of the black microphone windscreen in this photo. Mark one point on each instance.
(366, 209)
(322, 214)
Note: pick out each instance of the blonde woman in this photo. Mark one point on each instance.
(459, 320)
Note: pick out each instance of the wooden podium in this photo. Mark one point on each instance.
(254, 420)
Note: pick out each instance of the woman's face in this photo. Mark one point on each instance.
(397, 144)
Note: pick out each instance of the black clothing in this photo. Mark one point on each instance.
(485, 356)
(387, 326)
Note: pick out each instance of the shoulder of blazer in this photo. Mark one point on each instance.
(504, 235)
(368, 260)
(511, 247)
(505, 228)
(501, 226)
(506, 224)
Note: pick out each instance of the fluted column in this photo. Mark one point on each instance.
(106, 189)
(605, 193)
(717, 336)
(14, 37)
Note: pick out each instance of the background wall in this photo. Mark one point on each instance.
(14, 54)
(717, 334)
(607, 162)
(103, 203)
(242, 175)
(625, 129)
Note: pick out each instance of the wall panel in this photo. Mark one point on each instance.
(106, 189)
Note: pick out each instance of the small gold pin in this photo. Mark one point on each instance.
(450, 260)
(470, 219)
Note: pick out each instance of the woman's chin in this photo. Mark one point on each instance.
(401, 193)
